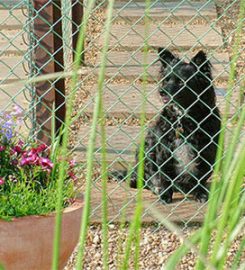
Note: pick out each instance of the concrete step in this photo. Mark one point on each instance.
(12, 42)
(125, 101)
(165, 11)
(121, 143)
(11, 94)
(12, 68)
(120, 196)
(12, 19)
(131, 38)
(129, 65)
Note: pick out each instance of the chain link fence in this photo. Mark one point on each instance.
(39, 37)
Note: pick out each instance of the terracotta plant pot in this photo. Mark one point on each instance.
(27, 242)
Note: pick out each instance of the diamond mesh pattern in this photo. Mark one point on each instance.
(184, 27)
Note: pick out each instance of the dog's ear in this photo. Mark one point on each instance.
(202, 63)
(165, 56)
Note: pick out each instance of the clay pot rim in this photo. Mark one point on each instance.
(76, 205)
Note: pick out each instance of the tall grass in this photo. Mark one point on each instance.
(135, 227)
(223, 169)
(97, 115)
(101, 116)
(65, 137)
(226, 205)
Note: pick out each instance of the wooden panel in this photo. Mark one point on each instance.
(165, 36)
(134, 11)
(129, 65)
(122, 197)
(44, 63)
(48, 58)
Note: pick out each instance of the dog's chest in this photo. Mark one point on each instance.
(184, 156)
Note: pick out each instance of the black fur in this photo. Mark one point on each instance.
(180, 148)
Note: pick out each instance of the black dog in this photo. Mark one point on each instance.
(180, 148)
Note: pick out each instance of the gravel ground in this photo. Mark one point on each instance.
(156, 245)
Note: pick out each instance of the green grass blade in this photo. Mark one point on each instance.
(215, 186)
(238, 256)
(135, 227)
(226, 213)
(104, 173)
(123, 221)
(90, 153)
(65, 137)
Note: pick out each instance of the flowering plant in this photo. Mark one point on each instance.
(29, 173)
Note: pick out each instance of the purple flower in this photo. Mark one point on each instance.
(7, 129)
(2, 181)
(2, 148)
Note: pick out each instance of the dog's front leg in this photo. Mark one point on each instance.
(162, 180)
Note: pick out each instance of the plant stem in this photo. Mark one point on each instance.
(62, 167)
(90, 153)
(236, 179)
(238, 255)
(104, 172)
(215, 186)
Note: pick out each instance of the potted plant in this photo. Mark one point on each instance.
(28, 196)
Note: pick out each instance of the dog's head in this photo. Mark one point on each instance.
(186, 83)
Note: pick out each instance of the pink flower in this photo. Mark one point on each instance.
(2, 181)
(72, 163)
(27, 161)
(46, 163)
(42, 147)
(29, 158)
(16, 150)
(2, 148)
(72, 176)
